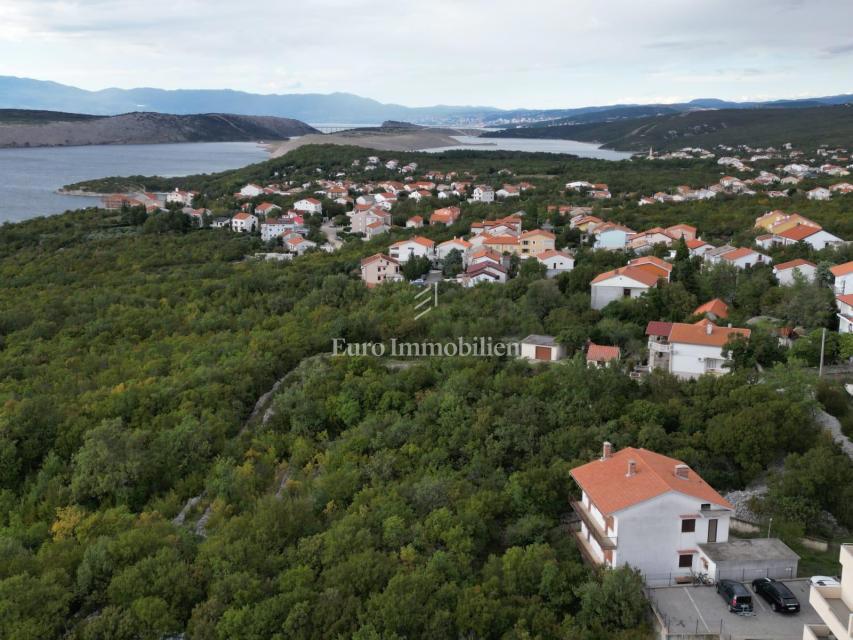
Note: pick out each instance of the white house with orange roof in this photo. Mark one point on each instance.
(444, 248)
(785, 272)
(415, 222)
(678, 231)
(482, 255)
(698, 247)
(417, 246)
(648, 511)
(843, 274)
(690, 350)
(244, 222)
(625, 282)
(308, 205)
(251, 190)
(556, 262)
(295, 243)
(815, 237)
(656, 265)
(745, 257)
(445, 216)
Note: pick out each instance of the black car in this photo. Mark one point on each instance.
(736, 595)
(777, 595)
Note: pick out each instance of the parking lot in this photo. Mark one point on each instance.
(697, 610)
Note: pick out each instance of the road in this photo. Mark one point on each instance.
(331, 232)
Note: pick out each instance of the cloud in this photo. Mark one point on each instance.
(550, 53)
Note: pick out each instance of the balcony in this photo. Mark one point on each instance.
(661, 347)
(833, 611)
(604, 541)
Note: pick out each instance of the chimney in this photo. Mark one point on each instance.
(681, 471)
(709, 328)
(607, 451)
(632, 469)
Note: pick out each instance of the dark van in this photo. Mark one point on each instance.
(780, 597)
(736, 595)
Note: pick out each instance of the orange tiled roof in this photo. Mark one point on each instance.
(715, 306)
(842, 269)
(698, 333)
(611, 490)
(602, 353)
(793, 264)
(635, 273)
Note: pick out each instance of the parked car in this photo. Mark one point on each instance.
(777, 594)
(736, 595)
(825, 581)
(418, 282)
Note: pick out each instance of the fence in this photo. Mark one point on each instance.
(663, 624)
(741, 574)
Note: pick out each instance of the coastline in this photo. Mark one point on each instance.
(405, 140)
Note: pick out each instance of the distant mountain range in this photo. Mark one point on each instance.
(25, 128)
(25, 93)
(805, 127)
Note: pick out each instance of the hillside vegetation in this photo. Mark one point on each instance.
(22, 128)
(804, 127)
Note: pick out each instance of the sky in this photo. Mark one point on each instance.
(535, 54)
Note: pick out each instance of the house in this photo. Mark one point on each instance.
(648, 239)
(599, 355)
(501, 244)
(380, 268)
(661, 268)
(375, 228)
(536, 241)
(648, 511)
(275, 227)
(444, 248)
(819, 193)
(844, 303)
(556, 262)
(244, 222)
(266, 209)
(483, 193)
(508, 191)
(417, 246)
(716, 309)
(625, 282)
(678, 231)
(744, 258)
(445, 216)
(308, 205)
(690, 350)
(295, 243)
(698, 248)
(360, 220)
(610, 236)
(816, 237)
(483, 255)
(251, 190)
(483, 272)
(543, 348)
(834, 603)
(785, 272)
(843, 277)
(510, 225)
(181, 197)
(415, 222)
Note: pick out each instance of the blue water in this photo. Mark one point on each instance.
(29, 178)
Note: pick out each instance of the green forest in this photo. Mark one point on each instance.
(179, 453)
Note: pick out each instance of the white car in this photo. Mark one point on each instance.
(824, 581)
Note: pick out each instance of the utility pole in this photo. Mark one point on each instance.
(822, 343)
(769, 524)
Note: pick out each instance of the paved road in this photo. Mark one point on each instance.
(331, 233)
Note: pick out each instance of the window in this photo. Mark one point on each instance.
(685, 561)
(626, 293)
(688, 525)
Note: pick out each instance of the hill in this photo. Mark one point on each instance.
(26, 93)
(804, 127)
(22, 128)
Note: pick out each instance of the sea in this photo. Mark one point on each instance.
(30, 178)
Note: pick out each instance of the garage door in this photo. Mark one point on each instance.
(543, 353)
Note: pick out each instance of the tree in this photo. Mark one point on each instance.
(612, 602)
(452, 265)
(415, 267)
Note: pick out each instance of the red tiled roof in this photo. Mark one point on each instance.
(653, 260)
(842, 269)
(715, 306)
(847, 299)
(737, 254)
(602, 353)
(611, 490)
(658, 328)
(698, 333)
(800, 232)
(793, 264)
(378, 256)
(639, 274)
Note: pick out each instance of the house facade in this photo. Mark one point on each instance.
(244, 223)
(378, 269)
(308, 205)
(625, 282)
(542, 348)
(417, 246)
(834, 603)
(556, 262)
(785, 272)
(648, 511)
(690, 350)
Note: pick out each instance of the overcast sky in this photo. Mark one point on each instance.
(504, 53)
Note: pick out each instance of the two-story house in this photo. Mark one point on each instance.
(379, 268)
(690, 350)
(416, 246)
(649, 511)
(843, 274)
